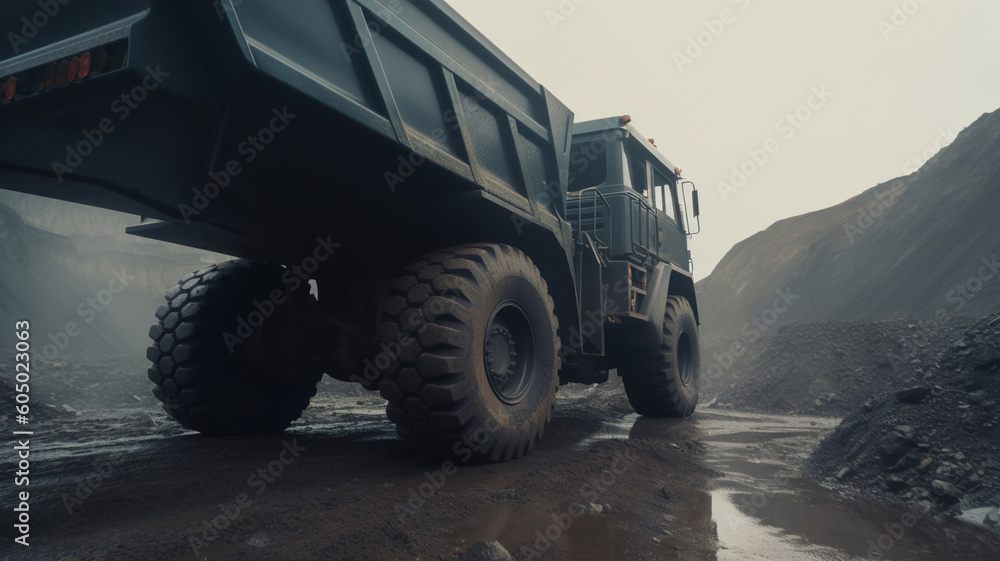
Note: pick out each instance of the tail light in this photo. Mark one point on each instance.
(72, 69)
(8, 88)
(84, 66)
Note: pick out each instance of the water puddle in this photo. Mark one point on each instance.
(764, 510)
(744, 538)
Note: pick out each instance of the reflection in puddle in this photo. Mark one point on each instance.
(542, 528)
(743, 538)
(764, 511)
(610, 430)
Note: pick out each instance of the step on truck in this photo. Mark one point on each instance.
(410, 211)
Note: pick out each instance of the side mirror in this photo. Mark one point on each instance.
(695, 207)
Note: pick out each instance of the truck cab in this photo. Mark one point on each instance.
(650, 216)
(632, 214)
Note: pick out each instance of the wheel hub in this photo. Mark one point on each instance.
(509, 352)
(685, 358)
(501, 354)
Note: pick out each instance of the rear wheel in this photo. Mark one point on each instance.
(207, 363)
(663, 381)
(469, 348)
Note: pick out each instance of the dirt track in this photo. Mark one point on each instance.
(338, 485)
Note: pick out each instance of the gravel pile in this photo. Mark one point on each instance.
(823, 368)
(932, 445)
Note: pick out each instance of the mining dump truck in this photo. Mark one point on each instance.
(410, 211)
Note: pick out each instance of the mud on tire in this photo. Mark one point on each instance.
(470, 353)
(200, 382)
(663, 380)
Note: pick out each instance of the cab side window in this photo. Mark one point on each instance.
(588, 165)
(637, 171)
(663, 194)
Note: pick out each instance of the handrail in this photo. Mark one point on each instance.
(579, 195)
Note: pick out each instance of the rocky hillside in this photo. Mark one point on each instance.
(918, 246)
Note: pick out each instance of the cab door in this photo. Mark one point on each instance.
(671, 241)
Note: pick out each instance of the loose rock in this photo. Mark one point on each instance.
(483, 551)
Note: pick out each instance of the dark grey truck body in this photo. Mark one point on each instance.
(252, 127)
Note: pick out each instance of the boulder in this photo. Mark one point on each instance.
(483, 551)
(895, 484)
(946, 491)
(912, 395)
(893, 447)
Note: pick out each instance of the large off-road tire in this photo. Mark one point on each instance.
(663, 381)
(470, 353)
(211, 384)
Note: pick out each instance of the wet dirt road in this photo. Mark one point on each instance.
(603, 485)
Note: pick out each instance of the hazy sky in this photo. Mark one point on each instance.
(899, 76)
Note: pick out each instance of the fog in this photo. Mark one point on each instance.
(87, 287)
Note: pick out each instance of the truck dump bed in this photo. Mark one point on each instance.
(250, 127)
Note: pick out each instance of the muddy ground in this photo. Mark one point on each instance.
(125, 483)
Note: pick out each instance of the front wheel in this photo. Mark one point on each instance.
(663, 381)
(469, 345)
